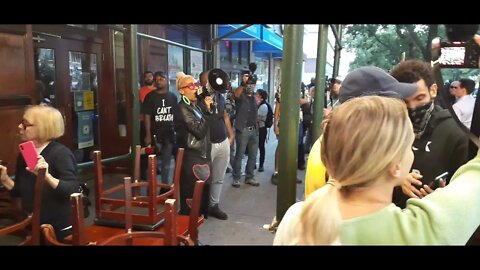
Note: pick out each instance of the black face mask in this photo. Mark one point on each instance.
(420, 117)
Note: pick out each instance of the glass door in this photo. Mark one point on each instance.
(68, 78)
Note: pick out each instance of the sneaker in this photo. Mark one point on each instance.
(236, 183)
(252, 182)
(299, 180)
(215, 211)
(261, 169)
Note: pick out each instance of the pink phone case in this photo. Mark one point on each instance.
(29, 154)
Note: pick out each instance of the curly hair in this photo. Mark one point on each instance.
(412, 71)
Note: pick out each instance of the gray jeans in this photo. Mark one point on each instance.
(245, 139)
(220, 159)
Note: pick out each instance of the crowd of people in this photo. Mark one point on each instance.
(377, 184)
(370, 177)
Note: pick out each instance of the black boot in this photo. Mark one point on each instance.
(215, 211)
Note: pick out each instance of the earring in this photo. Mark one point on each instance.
(186, 100)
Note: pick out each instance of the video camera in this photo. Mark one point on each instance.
(218, 81)
(252, 77)
(461, 51)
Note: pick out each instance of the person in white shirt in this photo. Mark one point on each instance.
(465, 101)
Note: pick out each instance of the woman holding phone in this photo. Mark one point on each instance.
(355, 206)
(42, 124)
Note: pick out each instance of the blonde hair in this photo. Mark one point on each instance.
(181, 77)
(363, 138)
(48, 121)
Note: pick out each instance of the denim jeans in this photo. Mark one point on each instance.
(245, 139)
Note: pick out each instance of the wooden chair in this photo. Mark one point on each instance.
(167, 237)
(78, 225)
(105, 207)
(20, 229)
(188, 225)
(102, 235)
(185, 225)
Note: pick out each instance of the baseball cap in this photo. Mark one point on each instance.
(369, 81)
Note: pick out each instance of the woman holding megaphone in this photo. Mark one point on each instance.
(193, 134)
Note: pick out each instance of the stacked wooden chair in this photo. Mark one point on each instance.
(25, 229)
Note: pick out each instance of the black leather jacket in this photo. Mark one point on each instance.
(193, 126)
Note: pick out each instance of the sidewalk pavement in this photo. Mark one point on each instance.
(248, 207)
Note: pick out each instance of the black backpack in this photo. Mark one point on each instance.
(269, 120)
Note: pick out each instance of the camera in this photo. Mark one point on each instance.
(252, 77)
(459, 54)
(461, 51)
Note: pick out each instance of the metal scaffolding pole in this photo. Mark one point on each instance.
(320, 81)
(288, 140)
(338, 49)
(133, 68)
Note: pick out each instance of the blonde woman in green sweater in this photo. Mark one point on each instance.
(371, 138)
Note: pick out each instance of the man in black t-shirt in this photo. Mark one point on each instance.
(159, 108)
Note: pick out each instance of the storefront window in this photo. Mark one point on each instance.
(194, 40)
(235, 52)
(175, 35)
(120, 89)
(175, 65)
(224, 51)
(83, 84)
(196, 64)
(45, 75)
(244, 53)
(234, 79)
(262, 74)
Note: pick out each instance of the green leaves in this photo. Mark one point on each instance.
(382, 45)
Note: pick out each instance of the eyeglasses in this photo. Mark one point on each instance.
(191, 86)
(454, 87)
(26, 124)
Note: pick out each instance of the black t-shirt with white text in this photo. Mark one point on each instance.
(161, 108)
(218, 130)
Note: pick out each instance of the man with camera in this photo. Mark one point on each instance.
(246, 129)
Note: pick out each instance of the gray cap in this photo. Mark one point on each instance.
(370, 81)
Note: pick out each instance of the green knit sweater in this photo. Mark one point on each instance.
(448, 216)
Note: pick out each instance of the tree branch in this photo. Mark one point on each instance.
(379, 41)
(417, 41)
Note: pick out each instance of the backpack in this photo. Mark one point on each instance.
(269, 120)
